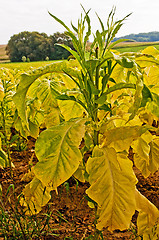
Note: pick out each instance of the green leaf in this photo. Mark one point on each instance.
(137, 97)
(116, 87)
(3, 159)
(58, 153)
(105, 107)
(146, 96)
(112, 188)
(91, 66)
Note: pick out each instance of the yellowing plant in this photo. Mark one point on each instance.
(104, 101)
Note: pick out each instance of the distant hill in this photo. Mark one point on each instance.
(3, 55)
(142, 37)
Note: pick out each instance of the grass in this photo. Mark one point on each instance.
(26, 65)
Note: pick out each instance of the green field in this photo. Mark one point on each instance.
(25, 66)
(135, 46)
(121, 47)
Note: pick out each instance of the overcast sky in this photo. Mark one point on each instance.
(32, 15)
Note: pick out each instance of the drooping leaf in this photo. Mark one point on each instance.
(58, 153)
(145, 229)
(36, 195)
(112, 187)
(79, 174)
(141, 148)
(148, 215)
(121, 137)
(154, 153)
(27, 79)
(146, 149)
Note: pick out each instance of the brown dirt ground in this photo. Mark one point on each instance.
(71, 204)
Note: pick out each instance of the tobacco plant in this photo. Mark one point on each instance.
(101, 104)
(7, 109)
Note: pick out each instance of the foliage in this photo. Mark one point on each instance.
(36, 47)
(58, 52)
(6, 113)
(99, 105)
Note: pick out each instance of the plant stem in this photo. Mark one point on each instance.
(96, 132)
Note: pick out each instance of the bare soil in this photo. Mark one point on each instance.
(77, 222)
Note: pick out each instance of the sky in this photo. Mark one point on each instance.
(32, 15)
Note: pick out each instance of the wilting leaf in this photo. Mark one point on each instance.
(141, 148)
(112, 188)
(27, 79)
(148, 216)
(154, 155)
(58, 153)
(121, 137)
(36, 196)
(146, 149)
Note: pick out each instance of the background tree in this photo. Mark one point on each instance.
(58, 52)
(33, 45)
(37, 46)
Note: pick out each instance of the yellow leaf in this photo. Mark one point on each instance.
(70, 109)
(58, 153)
(154, 155)
(36, 196)
(121, 137)
(79, 174)
(148, 216)
(141, 149)
(112, 187)
(151, 50)
(146, 149)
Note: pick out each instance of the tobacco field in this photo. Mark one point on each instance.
(79, 142)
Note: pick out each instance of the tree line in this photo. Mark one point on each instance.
(142, 37)
(35, 46)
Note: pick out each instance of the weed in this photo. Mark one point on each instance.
(15, 224)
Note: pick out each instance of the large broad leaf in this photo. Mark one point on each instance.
(151, 50)
(58, 153)
(141, 148)
(112, 188)
(146, 149)
(121, 138)
(70, 109)
(148, 216)
(36, 195)
(154, 155)
(27, 79)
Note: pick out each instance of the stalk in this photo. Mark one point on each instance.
(96, 132)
